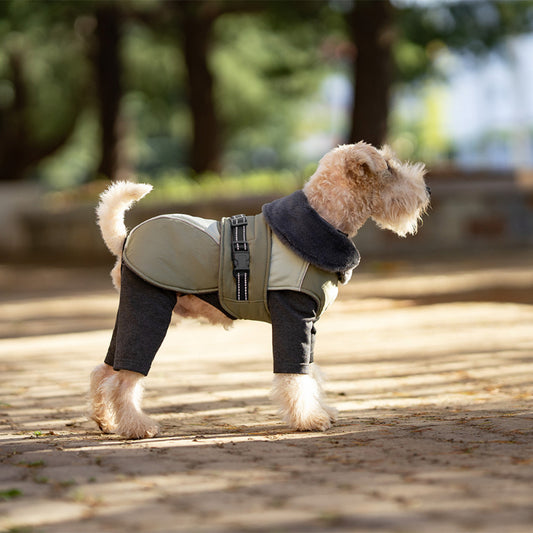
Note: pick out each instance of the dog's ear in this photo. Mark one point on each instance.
(414, 171)
(361, 159)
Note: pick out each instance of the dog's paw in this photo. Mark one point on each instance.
(104, 428)
(142, 427)
(316, 421)
(331, 411)
(104, 424)
(141, 433)
(103, 417)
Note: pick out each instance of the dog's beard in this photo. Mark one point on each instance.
(401, 221)
(403, 226)
(401, 211)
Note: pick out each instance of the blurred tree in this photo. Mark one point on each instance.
(268, 66)
(226, 77)
(196, 20)
(371, 29)
(399, 42)
(40, 86)
(192, 23)
(220, 109)
(105, 55)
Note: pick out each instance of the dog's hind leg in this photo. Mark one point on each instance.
(124, 392)
(142, 321)
(99, 408)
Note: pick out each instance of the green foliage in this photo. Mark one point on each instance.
(416, 126)
(76, 161)
(157, 124)
(264, 76)
(179, 187)
(33, 464)
(10, 494)
(153, 77)
(176, 186)
(41, 79)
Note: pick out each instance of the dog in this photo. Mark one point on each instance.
(289, 281)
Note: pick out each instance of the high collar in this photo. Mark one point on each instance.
(305, 232)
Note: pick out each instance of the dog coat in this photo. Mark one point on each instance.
(291, 248)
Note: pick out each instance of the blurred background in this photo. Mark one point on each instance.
(224, 104)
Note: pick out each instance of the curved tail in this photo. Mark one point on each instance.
(114, 202)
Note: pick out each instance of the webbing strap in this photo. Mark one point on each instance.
(240, 254)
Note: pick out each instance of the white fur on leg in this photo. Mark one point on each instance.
(299, 398)
(320, 379)
(124, 391)
(99, 408)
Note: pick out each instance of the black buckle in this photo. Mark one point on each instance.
(238, 220)
(241, 261)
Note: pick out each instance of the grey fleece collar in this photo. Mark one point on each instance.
(307, 234)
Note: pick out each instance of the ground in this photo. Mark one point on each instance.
(429, 362)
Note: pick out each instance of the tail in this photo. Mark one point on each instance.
(114, 202)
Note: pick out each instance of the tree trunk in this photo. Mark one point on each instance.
(108, 73)
(371, 28)
(197, 34)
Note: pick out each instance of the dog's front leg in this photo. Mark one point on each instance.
(123, 392)
(297, 389)
(300, 401)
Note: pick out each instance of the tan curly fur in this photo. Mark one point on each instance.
(355, 182)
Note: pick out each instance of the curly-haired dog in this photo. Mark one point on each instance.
(281, 266)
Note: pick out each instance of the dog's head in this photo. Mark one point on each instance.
(355, 182)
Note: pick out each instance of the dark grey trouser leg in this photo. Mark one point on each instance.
(143, 317)
(293, 316)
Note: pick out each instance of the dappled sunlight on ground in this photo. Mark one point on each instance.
(430, 366)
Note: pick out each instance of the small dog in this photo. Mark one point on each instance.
(288, 281)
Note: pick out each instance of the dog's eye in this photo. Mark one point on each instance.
(389, 167)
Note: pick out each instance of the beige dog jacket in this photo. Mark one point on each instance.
(192, 255)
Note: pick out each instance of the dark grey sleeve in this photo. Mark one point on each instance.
(143, 317)
(293, 316)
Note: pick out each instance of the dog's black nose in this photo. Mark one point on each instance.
(428, 190)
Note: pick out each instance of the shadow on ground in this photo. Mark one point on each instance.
(429, 365)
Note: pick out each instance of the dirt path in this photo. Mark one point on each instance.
(431, 368)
